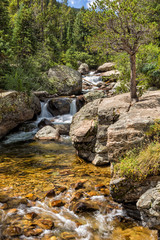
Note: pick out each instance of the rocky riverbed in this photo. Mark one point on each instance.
(47, 192)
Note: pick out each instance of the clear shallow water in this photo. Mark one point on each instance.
(34, 168)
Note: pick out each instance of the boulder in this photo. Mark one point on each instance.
(47, 133)
(64, 81)
(106, 128)
(106, 67)
(59, 106)
(16, 108)
(110, 75)
(93, 95)
(83, 69)
(149, 207)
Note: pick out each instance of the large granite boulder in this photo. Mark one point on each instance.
(64, 81)
(16, 108)
(118, 126)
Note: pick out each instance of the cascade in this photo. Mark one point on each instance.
(44, 111)
(73, 107)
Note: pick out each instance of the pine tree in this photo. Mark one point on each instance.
(24, 38)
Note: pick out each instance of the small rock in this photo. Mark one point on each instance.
(47, 133)
(44, 223)
(57, 203)
(50, 194)
(76, 196)
(12, 231)
(31, 197)
(31, 215)
(84, 207)
(33, 232)
(68, 236)
(80, 184)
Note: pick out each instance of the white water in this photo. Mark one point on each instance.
(44, 111)
(93, 80)
(26, 135)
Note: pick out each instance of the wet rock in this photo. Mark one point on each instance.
(31, 197)
(12, 231)
(105, 192)
(83, 68)
(16, 108)
(47, 133)
(45, 122)
(4, 198)
(33, 232)
(50, 194)
(49, 237)
(64, 81)
(57, 203)
(31, 216)
(44, 224)
(76, 196)
(84, 207)
(15, 202)
(80, 184)
(61, 189)
(68, 236)
(59, 106)
(92, 193)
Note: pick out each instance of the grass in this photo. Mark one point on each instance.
(139, 166)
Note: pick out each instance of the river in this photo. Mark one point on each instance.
(47, 192)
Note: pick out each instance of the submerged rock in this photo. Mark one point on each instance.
(16, 108)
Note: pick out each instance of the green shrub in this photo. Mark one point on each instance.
(140, 165)
(142, 162)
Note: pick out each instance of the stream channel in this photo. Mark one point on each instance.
(47, 192)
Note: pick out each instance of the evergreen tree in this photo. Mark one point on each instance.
(24, 38)
(4, 39)
(79, 31)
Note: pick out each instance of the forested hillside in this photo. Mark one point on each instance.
(38, 34)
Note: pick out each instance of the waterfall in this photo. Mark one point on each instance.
(44, 111)
(73, 107)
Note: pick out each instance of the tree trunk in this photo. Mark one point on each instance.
(133, 88)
